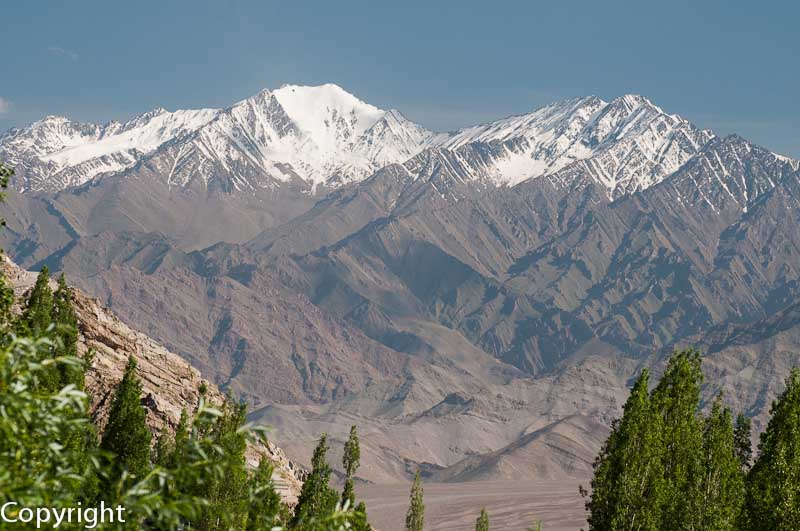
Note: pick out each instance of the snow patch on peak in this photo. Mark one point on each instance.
(633, 101)
(628, 144)
(51, 119)
(394, 114)
(144, 134)
(318, 110)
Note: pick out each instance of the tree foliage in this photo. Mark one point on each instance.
(65, 324)
(665, 466)
(317, 498)
(227, 492)
(722, 486)
(628, 486)
(415, 516)
(265, 503)
(482, 523)
(742, 435)
(127, 436)
(37, 468)
(773, 485)
(350, 460)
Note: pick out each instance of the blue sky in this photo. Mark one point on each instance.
(730, 66)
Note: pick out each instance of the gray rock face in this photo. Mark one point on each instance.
(477, 302)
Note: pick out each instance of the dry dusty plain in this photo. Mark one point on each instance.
(512, 506)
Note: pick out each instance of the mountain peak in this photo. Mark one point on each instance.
(52, 118)
(317, 110)
(632, 101)
(328, 94)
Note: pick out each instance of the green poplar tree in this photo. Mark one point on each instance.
(66, 333)
(228, 494)
(37, 314)
(415, 517)
(164, 449)
(36, 320)
(170, 448)
(677, 401)
(265, 502)
(628, 487)
(180, 439)
(482, 524)
(742, 435)
(317, 498)
(351, 458)
(127, 436)
(722, 486)
(773, 484)
(359, 520)
(350, 461)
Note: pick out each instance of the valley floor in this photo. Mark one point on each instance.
(512, 506)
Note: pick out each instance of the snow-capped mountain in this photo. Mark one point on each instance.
(626, 145)
(315, 134)
(56, 152)
(323, 135)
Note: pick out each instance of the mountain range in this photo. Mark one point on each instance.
(476, 301)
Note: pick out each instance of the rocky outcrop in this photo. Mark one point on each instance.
(169, 383)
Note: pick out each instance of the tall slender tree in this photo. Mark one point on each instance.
(677, 401)
(127, 436)
(163, 449)
(350, 460)
(722, 485)
(628, 486)
(482, 524)
(415, 516)
(36, 320)
(37, 314)
(317, 498)
(228, 494)
(265, 502)
(773, 495)
(66, 333)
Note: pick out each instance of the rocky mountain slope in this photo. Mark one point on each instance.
(169, 383)
(477, 301)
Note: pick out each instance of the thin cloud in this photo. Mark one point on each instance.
(5, 105)
(58, 51)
